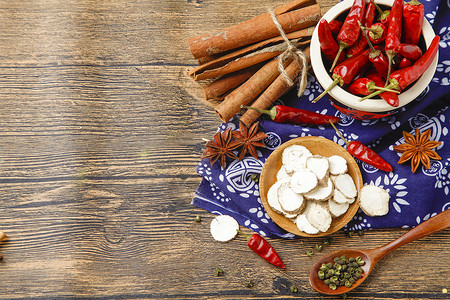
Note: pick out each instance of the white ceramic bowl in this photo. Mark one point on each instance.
(376, 104)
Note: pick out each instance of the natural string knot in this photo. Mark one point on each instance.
(296, 53)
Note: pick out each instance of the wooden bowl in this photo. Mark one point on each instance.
(316, 145)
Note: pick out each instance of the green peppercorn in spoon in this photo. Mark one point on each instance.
(372, 256)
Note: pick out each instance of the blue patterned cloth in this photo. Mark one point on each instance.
(414, 197)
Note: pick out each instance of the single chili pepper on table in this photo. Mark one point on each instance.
(383, 14)
(361, 42)
(404, 63)
(346, 71)
(394, 32)
(292, 115)
(350, 31)
(327, 43)
(376, 57)
(262, 247)
(410, 51)
(413, 15)
(400, 79)
(391, 98)
(364, 86)
(335, 26)
(365, 154)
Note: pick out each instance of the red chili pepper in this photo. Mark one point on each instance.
(327, 43)
(335, 27)
(394, 31)
(292, 115)
(365, 154)
(365, 86)
(404, 63)
(383, 14)
(410, 51)
(376, 57)
(361, 42)
(391, 98)
(413, 15)
(350, 31)
(347, 70)
(377, 33)
(400, 79)
(261, 247)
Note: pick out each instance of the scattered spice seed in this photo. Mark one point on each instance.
(294, 289)
(254, 177)
(218, 271)
(197, 219)
(250, 284)
(309, 253)
(319, 247)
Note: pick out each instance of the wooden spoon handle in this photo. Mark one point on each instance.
(432, 225)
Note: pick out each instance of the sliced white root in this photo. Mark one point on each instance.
(321, 193)
(272, 195)
(340, 198)
(303, 225)
(282, 173)
(290, 201)
(303, 181)
(294, 157)
(374, 200)
(338, 165)
(319, 216)
(318, 165)
(337, 209)
(290, 216)
(345, 184)
(224, 228)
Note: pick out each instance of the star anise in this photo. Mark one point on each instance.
(220, 148)
(249, 138)
(418, 149)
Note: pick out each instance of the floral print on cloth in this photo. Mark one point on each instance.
(414, 197)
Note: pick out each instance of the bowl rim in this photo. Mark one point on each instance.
(273, 164)
(352, 101)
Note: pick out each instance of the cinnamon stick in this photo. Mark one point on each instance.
(249, 90)
(218, 89)
(250, 55)
(2, 236)
(274, 91)
(256, 29)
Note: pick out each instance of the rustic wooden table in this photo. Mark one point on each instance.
(101, 131)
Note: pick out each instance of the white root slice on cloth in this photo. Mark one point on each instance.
(374, 200)
(345, 184)
(272, 195)
(303, 181)
(318, 165)
(224, 228)
(282, 173)
(294, 157)
(338, 165)
(337, 209)
(321, 193)
(319, 216)
(340, 198)
(290, 201)
(303, 225)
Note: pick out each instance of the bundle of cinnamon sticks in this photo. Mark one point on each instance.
(240, 64)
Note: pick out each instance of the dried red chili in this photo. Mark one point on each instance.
(404, 63)
(365, 154)
(364, 86)
(394, 32)
(391, 98)
(361, 42)
(292, 115)
(350, 31)
(376, 57)
(327, 43)
(383, 14)
(262, 247)
(347, 70)
(377, 33)
(410, 51)
(413, 15)
(335, 27)
(400, 79)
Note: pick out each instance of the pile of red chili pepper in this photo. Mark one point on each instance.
(376, 51)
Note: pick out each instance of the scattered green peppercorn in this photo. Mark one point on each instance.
(249, 284)
(309, 253)
(294, 289)
(197, 219)
(254, 177)
(319, 247)
(218, 271)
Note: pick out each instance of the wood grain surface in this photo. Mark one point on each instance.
(100, 133)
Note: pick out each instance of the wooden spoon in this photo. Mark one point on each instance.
(372, 256)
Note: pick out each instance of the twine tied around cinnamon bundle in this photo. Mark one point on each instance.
(296, 53)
